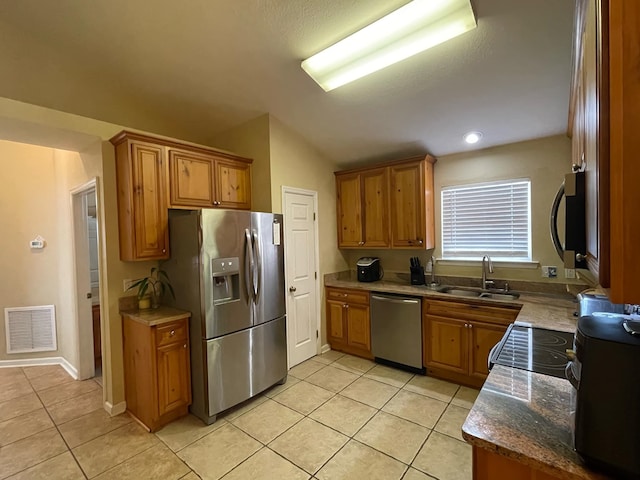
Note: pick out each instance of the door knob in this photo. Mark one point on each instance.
(292, 289)
(580, 257)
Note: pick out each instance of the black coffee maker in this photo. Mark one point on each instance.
(607, 393)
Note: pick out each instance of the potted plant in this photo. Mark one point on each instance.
(159, 282)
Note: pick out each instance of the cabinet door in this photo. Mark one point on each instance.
(336, 322)
(483, 337)
(174, 389)
(375, 206)
(233, 184)
(190, 179)
(407, 205)
(358, 327)
(448, 345)
(150, 207)
(349, 211)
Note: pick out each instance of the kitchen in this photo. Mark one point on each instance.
(281, 147)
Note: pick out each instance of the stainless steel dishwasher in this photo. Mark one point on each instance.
(396, 330)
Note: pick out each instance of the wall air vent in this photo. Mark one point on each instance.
(30, 329)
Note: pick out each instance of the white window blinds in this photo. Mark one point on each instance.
(488, 218)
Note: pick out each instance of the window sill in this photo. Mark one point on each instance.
(472, 262)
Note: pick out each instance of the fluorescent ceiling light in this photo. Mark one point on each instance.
(413, 28)
(472, 137)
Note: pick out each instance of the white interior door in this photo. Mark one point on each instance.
(300, 246)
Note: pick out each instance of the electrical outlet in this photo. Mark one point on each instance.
(549, 271)
(569, 273)
(126, 283)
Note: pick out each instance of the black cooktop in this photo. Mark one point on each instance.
(533, 349)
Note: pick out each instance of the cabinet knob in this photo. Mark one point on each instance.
(164, 250)
(420, 242)
(360, 243)
(184, 346)
(346, 306)
(172, 333)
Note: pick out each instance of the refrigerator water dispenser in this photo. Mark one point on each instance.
(226, 279)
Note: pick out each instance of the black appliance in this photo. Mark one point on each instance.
(369, 269)
(607, 394)
(573, 253)
(533, 349)
(417, 271)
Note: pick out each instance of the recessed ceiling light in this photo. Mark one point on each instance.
(413, 28)
(472, 137)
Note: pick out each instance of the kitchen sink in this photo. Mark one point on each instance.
(464, 292)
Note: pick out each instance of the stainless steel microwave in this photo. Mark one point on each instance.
(573, 252)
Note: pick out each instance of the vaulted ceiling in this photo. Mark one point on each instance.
(195, 68)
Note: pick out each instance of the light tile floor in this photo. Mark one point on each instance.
(336, 417)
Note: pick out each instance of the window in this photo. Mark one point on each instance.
(487, 218)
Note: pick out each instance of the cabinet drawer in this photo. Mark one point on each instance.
(470, 311)
(171, 332)
(350, 296)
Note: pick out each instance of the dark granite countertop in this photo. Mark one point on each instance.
(526, 416)
(552, 309)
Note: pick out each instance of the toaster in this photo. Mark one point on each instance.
(369, 269)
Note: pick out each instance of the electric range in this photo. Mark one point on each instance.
(533, 349)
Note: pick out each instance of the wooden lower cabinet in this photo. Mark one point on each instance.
(348, 321)
(157, 370)
(491, 466)
(458, 338)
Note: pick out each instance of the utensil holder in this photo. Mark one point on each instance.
(417, 275)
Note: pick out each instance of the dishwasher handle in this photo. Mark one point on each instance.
(394, 300)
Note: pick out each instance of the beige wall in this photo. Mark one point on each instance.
(39, 125)
(544, 161)
(28, 207)
(252, 140)
(294, 163)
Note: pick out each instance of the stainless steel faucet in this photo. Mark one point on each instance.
(433, 270)
(486, 260)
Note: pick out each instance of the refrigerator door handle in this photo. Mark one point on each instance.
(248, 265)
(258, 256)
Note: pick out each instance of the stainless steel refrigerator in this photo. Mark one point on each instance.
(227, 269)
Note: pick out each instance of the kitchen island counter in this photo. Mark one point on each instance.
(525, 417)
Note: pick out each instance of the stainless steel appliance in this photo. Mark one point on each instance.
(589, 303)
(607, 394)
(573, 252)
(396, 330)
(227, 269)
(369, 269)
(533, 349)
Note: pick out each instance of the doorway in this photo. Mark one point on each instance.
(85, 232)
(301, 273)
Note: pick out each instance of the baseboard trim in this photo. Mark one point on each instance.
(38, 362)
(116, 409)
(325, 348)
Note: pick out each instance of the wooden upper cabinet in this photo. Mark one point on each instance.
(190, 179)
(349, 197)
(412, 219)
(155, 174)
(387, 206)
(142, 206)
(233, 184)
(375, 207)
(624, 148)
(589, 130)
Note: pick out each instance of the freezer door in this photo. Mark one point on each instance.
(225, 259)
(267, 238)
(243, 364)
